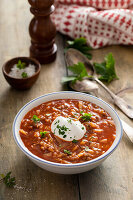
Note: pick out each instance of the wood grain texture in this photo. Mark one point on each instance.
(32, 182)
(113, 180)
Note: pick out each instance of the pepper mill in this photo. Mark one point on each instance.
(42, 31)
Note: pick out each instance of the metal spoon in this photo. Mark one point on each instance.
(74, 56)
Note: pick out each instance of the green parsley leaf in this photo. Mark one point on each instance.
(69, 120)
(79, 72)
(81, 45)
(62, 130)
(86, 116)
(48, 114)
(43, 133)
(21, 65)
(8, 180)
(86, 136)
(24, 75)
(87, 148)
(106, 69)
(67, 152)
(74, 141)
(35, 118)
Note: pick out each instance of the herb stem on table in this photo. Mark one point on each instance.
(8, 180)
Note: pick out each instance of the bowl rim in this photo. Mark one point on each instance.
(22, 57)
(40, 160)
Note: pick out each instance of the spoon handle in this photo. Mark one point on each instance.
(128, 130)
(121, 103)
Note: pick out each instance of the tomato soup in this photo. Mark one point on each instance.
(67, 131)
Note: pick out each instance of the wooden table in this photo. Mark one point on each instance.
(113, 180)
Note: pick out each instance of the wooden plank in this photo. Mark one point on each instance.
(113, 179)
(32, 182)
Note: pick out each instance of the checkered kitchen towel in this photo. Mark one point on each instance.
(101, 22)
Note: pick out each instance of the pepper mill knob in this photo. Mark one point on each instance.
(42, 31)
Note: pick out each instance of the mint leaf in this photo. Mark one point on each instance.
(79, 72)
(81, 45)
(21, 65)
(106, 69)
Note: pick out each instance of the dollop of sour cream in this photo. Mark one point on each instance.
(68, 129)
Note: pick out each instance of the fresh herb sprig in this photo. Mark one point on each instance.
(106, 69)
(21, 65)
(85, 116)
(67, 152)
(35, 118)
(79, 72)
(8, 180)
(81, 45)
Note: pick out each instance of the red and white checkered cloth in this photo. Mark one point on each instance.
(101, 22)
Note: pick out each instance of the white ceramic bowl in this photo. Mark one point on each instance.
(66, 168)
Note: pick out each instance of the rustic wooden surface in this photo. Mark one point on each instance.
(113, 180)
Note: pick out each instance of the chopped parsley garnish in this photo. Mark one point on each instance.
(67, 152)
(87, 148)
(21, 65)
(62, 130)
(8, 180)
(83, 128)
(74, 141)
(43, 133)
(59, 145)
(86, 116)
(85, 135)
(69, 121)
(35, 118)
(81, 45)
(24, 75)
(48, 114)
(75, 113)
(106, 69)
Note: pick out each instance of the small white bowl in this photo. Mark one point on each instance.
(66, 168)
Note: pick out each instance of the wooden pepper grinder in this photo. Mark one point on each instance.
(42, 31)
